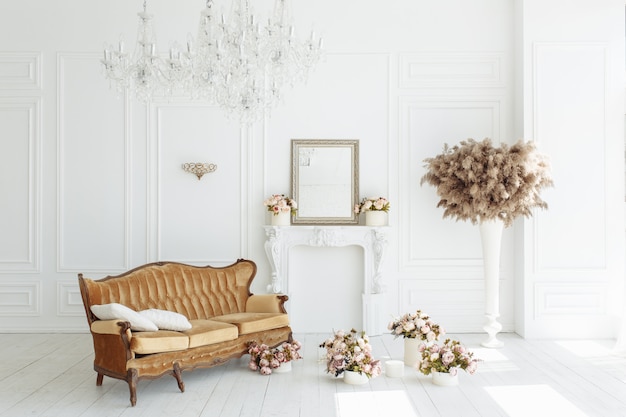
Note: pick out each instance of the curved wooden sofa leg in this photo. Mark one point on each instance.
(99, 379)
(131, 378)
(178, 374)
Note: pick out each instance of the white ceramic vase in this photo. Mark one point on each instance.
(281, 219)
(284, 367)
(354, 378)
(445, 379)
(375, 218)
(411, 352)
(491, 238)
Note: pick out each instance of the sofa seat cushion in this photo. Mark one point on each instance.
(207, 332)
(255, 322)
(158, 342)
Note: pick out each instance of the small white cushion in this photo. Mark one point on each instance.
(167, 320)
(118, 311)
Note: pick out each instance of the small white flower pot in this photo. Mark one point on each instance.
(354, 378)
(281, 219)
(411, 351)
(445, 379)
(376, 218)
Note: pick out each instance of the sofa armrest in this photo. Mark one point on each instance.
(111, 343)
(266, 303)
(114, 326)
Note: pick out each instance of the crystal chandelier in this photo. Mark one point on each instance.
(233, 62)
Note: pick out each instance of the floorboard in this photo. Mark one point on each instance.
(52, 375)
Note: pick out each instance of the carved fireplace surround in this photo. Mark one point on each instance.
(373, 240)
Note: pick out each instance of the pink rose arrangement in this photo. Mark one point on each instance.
(416, 325)
(372, 204)
(350, 352)
(447, 358)
(264, 359)
(278, 203)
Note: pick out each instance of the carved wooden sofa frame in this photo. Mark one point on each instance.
(204, 295)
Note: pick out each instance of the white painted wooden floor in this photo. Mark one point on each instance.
(52, 375)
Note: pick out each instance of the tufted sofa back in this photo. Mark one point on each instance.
(196, 292)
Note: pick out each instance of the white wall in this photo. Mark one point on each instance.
(92, 183)
(573, 95)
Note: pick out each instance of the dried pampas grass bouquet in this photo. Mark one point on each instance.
(477, 181)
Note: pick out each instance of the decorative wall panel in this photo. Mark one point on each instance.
(93, 170)
(554, 299)
(456, 304)
(195, 221)
(425, 125)
(20, 298)
(20, 183)
(565, 121)
(20, 70)
(69, 301)
(451, 70)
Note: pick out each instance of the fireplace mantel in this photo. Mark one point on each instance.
(373, 240)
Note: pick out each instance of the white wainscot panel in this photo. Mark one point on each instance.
(20, 70)
(568, 299)
(93, 189)
(571, 116)
(196, 221)
(457, 305)
(19, 168)
(69, 300)
(21, 298)
(451, 70)
(425, 126)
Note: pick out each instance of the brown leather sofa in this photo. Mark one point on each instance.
(224, 318)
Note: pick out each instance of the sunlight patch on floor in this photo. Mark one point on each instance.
(373, 404)
(533, 400)
(585, 348)
(493, 360)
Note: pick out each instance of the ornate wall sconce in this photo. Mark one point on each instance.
(199, 168)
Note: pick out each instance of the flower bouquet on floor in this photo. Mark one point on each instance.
(414, 328)
(265, 359)
(350, 352)
(444, 361)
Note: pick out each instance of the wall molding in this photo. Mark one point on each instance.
(408, 179)
(570, 299)
(69, 299)
(20, 298)
(451, 70)
(155, 170)
(31, 106)
(547, 130)
(63, 60)
(20, 70)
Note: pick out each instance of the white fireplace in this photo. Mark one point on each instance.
(373, 241)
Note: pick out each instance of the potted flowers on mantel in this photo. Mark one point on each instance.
(265, 359)
(444, 361)
(489, 186)
(350, 354)
(282, 208)
(375, 210)
(415, 328)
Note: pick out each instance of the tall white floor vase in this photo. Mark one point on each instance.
(491, 239)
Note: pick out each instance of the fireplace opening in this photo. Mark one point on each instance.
(325, 288)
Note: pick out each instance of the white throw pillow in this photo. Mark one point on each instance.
(167, 320)
(118, 311)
